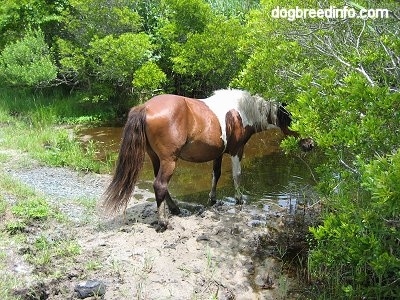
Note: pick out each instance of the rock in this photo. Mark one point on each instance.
(256, 223)
(202, 237)
(235, 230)
(249, 267)
(90, 288)
(231, 211)
(264, 281)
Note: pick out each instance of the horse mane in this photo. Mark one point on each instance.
(258, 111)
(255, 110)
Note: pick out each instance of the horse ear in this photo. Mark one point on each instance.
(284, 104)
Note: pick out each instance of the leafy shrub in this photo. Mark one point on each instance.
(148, 79)
(116, 58)
(27, 62)
(358, 242)
(211, 59)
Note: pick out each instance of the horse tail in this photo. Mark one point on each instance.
(130, 161)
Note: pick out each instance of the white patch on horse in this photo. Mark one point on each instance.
(222, 101)
(253, 110)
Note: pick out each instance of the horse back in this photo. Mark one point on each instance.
(182, 127)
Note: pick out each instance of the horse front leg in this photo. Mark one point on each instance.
(161, 192)
(236, 172)
(216, 174)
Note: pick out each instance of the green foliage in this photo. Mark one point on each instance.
(15, 227)
(189, 16)
(16, 16)
(72, 60)
(27, 62)
(274, 59)
(54, 146)
(233, 8)
(52, 106)
(58, 247)
(88, 19)
(266, 70)
(347, 102)
(28, 209)
(340, 78)
(148, 79)
(210, 59)
(327, 100)
(116, 59)
(359, 241)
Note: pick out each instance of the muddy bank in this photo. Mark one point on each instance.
(222, 252)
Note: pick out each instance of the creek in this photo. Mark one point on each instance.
(270, 178)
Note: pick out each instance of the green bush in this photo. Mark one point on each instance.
(148, 80)
(357, 252)
(27, 62)
(211, 59)
(117, 58)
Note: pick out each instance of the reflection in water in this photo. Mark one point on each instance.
(269, 177)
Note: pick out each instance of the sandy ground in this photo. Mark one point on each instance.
(219, 252)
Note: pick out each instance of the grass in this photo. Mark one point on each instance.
(42, 125)
(46, 250)
(55, 146)
(28, 207)
(27, 223)
(14, 187)
(7, 284)
(93, 265)
(3, 206)
(47, 107)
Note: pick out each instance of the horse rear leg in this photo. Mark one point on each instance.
(173, 207)
(216, 174)
(161, 191)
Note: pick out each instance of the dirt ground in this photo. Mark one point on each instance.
(219, 252)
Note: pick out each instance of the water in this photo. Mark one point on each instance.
(269, 177)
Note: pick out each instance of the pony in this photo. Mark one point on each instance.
(171, 127)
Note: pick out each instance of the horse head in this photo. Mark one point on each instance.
(284, 120)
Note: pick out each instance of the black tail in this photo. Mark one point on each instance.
(130, 161)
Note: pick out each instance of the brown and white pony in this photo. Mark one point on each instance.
(169, 127)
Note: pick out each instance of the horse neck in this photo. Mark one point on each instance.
(260, 114)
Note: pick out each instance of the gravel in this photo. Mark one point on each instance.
(62, 183)
(64, 188)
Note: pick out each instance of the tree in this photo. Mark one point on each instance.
(341, 80)
(116, 58)
(27, 62)
(210, 59)
(348, 101)
(148, 79)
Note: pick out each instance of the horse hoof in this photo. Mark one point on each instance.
(239, 201)
(175, 211)
(212, 201)
(161, 226)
